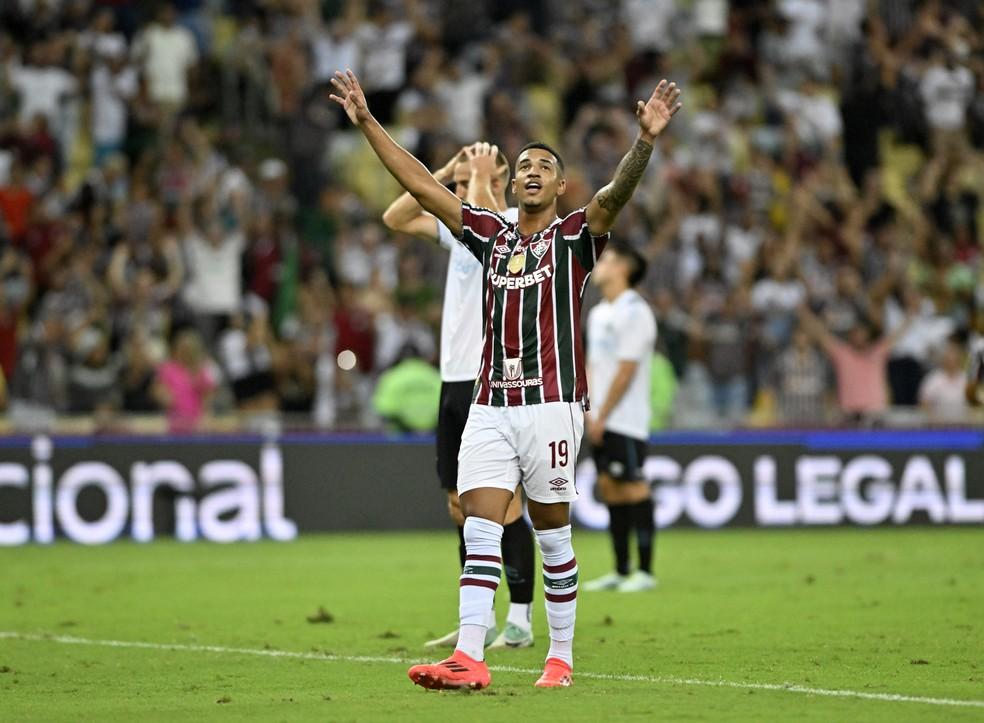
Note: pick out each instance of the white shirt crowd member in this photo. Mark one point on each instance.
(622, 330)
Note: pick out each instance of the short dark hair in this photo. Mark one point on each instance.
(636, 261)
(543, 147)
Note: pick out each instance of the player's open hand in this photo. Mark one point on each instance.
(482, 158)
(655, 114)
(350, 96)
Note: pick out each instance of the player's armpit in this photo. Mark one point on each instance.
(477, 228)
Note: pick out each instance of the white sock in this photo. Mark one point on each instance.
(562, 649)
(560, 590)
(471, 641)
(478, 583)
(491, 620)
(520, 615)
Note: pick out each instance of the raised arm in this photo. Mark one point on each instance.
(405, 215)
(816, 329)
(406, 169)
(482, 158)
(653, 116)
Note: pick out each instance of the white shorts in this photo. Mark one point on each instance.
(535, 444)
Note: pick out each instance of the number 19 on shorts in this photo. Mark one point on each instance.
(558, 454)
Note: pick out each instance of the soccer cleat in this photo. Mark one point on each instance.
(451, 639)
(458, 671)
(638, 581)
(513, 637)
(556, 674)
(611, 581)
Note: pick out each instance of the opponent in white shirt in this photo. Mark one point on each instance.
(621, 337)
(461, 351)
(975, 360)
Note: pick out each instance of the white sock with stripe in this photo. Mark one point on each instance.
(478, 583)
(560, 590)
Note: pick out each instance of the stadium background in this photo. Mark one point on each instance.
(160, 175)
(181, 201)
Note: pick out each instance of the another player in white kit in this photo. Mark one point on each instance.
(621, 337)
(461, 357)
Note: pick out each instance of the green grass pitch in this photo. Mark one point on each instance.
(883, 612)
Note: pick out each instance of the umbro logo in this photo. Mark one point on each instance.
(559, 484)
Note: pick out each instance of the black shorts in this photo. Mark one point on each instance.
(620, 457)
(253, 385)
(456, 399)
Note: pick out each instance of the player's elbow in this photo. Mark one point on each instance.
(390, 220)
(600, 219)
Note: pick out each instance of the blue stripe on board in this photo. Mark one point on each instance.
(914, 440)
(341, 438)
(840, 439)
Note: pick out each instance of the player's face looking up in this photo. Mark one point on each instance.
(539, 180)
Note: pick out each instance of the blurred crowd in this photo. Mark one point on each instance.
(189, 226)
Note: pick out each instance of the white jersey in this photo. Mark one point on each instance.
(622, 330)
(461, 317)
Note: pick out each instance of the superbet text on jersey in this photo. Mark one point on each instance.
(532, 347)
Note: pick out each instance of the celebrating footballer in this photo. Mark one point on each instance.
(526, 419)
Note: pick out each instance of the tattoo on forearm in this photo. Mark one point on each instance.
(617, 193)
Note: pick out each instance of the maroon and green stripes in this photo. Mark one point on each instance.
(560, 582)
(481, 571)
(532, 314)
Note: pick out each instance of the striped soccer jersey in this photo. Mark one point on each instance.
(533, 352)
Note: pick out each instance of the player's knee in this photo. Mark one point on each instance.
(555, 541)
(479, 532)
(549, 517)
(486, 503)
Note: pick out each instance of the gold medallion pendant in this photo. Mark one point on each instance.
(517, 262)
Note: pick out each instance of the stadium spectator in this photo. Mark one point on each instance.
(167, 54)
(38, 390)
(214, 251)
(727, 334)
(383, 40)
(136, 377)
(16, 292)
(408, 394)
(44, 88)
(113, 84)
(860, 367)
(185, 382)
(92, 374)
(800, 382)
(246, 353)
(16, 203)
(946, 89)
(942, 392)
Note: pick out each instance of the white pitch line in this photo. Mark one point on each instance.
(652, 679)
